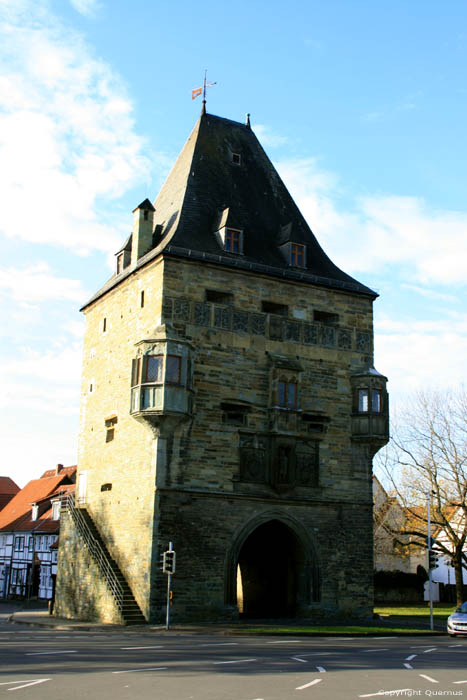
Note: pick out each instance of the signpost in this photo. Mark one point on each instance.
(168, 567)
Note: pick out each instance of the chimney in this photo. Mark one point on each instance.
(58, 469)
(143, 226)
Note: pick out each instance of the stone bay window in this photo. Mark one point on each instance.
(161, 378)
(370, 410)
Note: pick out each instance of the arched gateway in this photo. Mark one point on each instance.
(272, 569)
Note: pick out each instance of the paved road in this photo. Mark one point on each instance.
(151, 664)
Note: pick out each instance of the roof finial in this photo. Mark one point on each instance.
(247, 122)
(197, 91)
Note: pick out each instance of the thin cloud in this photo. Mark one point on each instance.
(88, 8)
(378, 233)
(68, 146)
(36, 283)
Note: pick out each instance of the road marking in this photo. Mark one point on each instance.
(459, 682)
(408, 666)
(223, 644)
(318, 653)
(43, 653)
(385, 692)
(140, 670)
(321, 669)
(25, 683)
(158, 646)
(285, 641)
(451, 646)
(412, 656)
(308, 685)
(297, 658)
(428, 650)
(383, 637)
(239, 661)
(428, 678)
(368, 651)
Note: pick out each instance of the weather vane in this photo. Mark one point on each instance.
(197, 91)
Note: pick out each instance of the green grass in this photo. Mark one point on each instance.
(416, 610)
(335, 631)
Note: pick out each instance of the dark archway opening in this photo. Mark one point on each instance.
(270, 572)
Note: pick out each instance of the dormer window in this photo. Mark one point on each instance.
(297, 255)
(35, 512)
(236, 158)
(233, 240)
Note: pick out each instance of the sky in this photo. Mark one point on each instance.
(361, 106)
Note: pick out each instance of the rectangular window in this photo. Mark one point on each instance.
(297, 255)
(216, 297)
(135, 371)
(326, 317)
(19, 544)
(142, 299)
(270, 307)
(104, 325)
(173, 369)
(153, 370)
(287, 394)
(56, 510)
(232, 241)
(363, 400)
(119, 263)
(31, 544)
(376, 401)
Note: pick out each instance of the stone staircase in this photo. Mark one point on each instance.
(124, 598)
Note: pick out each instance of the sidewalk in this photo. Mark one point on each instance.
(41, 618)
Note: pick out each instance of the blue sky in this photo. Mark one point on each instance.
(360, 105)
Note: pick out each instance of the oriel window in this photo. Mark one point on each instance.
(153, 369)
(173, 369)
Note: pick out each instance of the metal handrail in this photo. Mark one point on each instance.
(100, 555)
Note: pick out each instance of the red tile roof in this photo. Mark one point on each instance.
(59, 470)
(17, 513)
(8, 489)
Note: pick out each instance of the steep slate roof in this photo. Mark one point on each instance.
(205, 182)
(17, 513)
(8, 489)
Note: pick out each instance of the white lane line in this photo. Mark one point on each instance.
(319, 653)
(369, 651)
(427, 651)
(428, 678)
(386, 692)
(44, 653)
(321, 669)
(408, 666)
(308, 685)
(158, 646)
(297, 658)
(222, 644)
(451, 646)
(25, 681)
(459, 682)
(383, 637)
(140, 670)
(26, 685)
(286, 641)
(239, 661)
(412, 656)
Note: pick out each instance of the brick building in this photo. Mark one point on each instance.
(229, 404)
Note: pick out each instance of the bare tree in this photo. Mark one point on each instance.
(427, 455)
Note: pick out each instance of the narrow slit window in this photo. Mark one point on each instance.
(287, 394)
(376, 403)
(142, 299)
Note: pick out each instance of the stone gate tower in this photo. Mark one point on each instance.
(229, 404)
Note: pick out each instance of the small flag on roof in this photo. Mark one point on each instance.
(197, 91)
